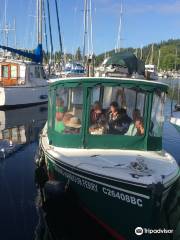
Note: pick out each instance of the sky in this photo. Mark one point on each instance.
(143, 22)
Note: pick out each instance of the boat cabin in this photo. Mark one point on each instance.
(13, 73)
(106, 113)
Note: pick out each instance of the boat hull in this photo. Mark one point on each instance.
(118, 206)
(19, 96)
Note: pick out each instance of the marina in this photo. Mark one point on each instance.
(89, 120)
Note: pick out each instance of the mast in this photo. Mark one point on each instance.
(6, 28)
(175, 63)
(152, 54)
(119, 38)
(159, 54)
(141, 53)
(50, 32)
(85, 30)
(39, 22)
(59, 30)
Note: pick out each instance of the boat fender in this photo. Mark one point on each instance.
(43, 96)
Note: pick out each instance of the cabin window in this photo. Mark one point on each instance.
(37, 72)
(68, 114)
(117, 110)
(157, 115)
(5, 71)
(13, 71)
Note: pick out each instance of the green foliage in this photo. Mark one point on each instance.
(169, 54)
(78, 55)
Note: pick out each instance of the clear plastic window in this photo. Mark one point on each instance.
(50, 121)
(5, 71)
(37, 72)
(117, 110)
(68, 115)
(13, 71)
(157, 115)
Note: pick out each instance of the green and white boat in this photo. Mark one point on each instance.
(121, 179)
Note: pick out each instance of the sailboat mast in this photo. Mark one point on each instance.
(59, 30)
(159, 55)
(85, 29)
(39, 21)
(152, 54)
(175, 64)
(119, 38)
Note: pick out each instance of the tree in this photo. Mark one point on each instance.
(78, 55)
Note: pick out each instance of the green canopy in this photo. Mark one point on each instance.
(129, 60)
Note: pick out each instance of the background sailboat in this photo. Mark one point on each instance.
(24, 82)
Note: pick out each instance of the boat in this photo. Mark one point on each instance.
(121, 65)
(24, 82)
(151, 72)
(121, 179)
(73, 69)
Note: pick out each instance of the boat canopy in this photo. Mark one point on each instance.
(128, 60)
(106, 113)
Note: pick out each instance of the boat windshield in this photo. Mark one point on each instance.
(117, 110)
(109, 114)
(69, 105)
(157, 114)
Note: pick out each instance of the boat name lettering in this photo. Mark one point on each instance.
(82, 182)
(123, 197)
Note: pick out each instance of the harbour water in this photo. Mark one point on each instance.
(21, 218)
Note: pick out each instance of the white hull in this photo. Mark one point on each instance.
(23, 95)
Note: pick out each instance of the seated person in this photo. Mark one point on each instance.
(139, 126)
(97, 120)
(96, 115)
(124, 121)
(72, 126)
(59, 125)
(113, 118)
(132, 131)
(59, 103)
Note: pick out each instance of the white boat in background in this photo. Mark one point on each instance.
(22, 83)
(151, 72)
(73, 69)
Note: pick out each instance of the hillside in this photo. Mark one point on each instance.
(169, 54)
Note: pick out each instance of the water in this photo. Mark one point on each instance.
(20, 215)
(20, 129)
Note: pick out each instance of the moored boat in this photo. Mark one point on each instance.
(22, 83)
(103, 139)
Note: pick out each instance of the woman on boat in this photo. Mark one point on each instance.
(113, 118)
(132, 131)
(97, 116)
(118, 120)
(139, 126)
